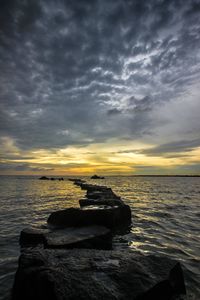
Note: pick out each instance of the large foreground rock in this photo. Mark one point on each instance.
(110, 216)
(96, 275)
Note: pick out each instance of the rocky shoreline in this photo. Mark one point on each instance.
(72, 257)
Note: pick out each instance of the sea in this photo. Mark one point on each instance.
(165, 218)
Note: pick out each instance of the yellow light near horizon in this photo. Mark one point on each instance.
(112, 157)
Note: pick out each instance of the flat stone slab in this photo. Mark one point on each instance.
(95, 275)
(97, 237)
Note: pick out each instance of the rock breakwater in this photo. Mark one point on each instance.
(72, 257)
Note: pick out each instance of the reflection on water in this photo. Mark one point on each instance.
(165, 215)
(26, 201)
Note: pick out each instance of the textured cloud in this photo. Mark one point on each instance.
(173, 147)
(83, 72)
(23, 167)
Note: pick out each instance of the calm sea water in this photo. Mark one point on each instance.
(165, 215)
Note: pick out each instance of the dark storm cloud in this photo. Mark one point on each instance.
(92, 69)
(114, 111)
(174, 148)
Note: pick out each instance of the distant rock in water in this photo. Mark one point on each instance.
(44, 178)
(97, 177)
(51, 178)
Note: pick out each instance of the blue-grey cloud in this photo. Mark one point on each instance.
(172, 149)
(93, 69)
(23, 167)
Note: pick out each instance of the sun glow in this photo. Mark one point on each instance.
(108, 158)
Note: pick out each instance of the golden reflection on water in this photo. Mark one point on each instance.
(37, 198)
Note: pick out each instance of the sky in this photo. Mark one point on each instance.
(99, 86)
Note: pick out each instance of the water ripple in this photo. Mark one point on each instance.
(165, 215)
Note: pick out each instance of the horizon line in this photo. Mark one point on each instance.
(119, 175)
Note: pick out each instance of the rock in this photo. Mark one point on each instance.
(176, 279)
(97, 177)
(111, 217)
(102, 195)
(98, 207)
(43, 178)
(95, 237)
(168, 288)
(93, 187)
(85, 186)
(76, 180)
(99, 188)
(32, 236)
(52, 178)
(90, 275)
(109, 202)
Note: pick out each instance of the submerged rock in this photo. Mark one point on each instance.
(94, 275)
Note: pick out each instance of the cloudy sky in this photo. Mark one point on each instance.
(100, 86)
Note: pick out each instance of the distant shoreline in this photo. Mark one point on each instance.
(164, 175)
(135, 175)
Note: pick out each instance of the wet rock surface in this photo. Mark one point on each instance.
(112, 217)
(94, 274)
(95, 237)
(31, 236)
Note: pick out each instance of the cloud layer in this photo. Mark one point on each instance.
(77, 73)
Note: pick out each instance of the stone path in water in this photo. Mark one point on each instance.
(72, 258)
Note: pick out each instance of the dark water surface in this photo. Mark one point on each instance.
(165, 215)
